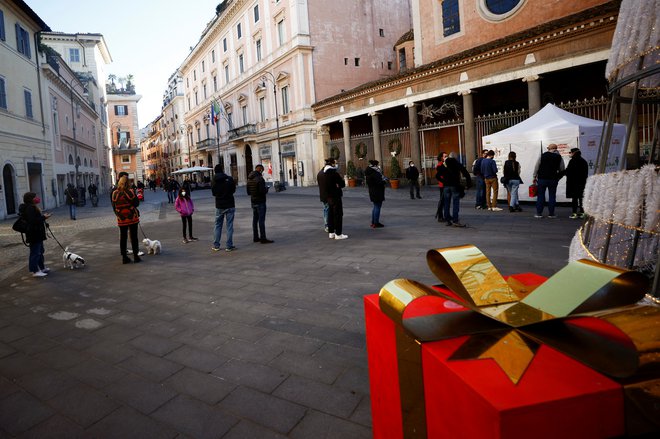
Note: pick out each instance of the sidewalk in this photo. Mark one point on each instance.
(265, 342)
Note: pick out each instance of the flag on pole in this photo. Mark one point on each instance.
(213, 115)
(270, 169)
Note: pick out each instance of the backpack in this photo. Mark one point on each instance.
(21, 225)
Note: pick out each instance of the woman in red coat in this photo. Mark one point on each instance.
(125, 202)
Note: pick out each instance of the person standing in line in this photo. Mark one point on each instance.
(412, 174)
(577, 172)
(223, 189)
(71, 196)
(548, 171)
(36, 234)
(257, 190)
(513, 181)
(489, 174)
(185, 206)
(480, 196)
(125, 203)
(334, 183)
(323, 195)
(376, 184)
(440, 211)
(172, 189)
(451, 176)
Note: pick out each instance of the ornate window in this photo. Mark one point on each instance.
(497, 10)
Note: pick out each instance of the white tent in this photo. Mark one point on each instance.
(551, 124)
(192, 169)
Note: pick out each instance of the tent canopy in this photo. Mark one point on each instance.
(193, 169)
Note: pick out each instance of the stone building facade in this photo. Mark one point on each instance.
(125, 134)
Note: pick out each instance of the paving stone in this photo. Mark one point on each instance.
(355, 379)
(128, 319)
(125, 423)
(21, 411)
(249, 430)
(111, 352)
(79, 339)
(201, 339)
(197, 358)
(256, 376)
(240, 331)
(6, 350)
(149, 366)
(242, 350)
(83, 405)
(264, 409)
(291, 343)
(52, 328)
(154, 345)
(62, 358)
(96, 373)
(316, 424)
(34, 344)
(47, 383)
(285, 325)
(338, 336)
(342, 354)
(203, 386)
(161, 328)
(7, 387)
(18, 365)
(55, 427)
(325, 398)
(133, 306)
(362, 414)
(118, 333)
(12, 332)
(309, 367)
(143, 395)
(195, 418)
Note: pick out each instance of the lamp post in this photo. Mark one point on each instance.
(183, 129)
(281, 186)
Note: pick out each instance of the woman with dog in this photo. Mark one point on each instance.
(36, 234)
(125, 203)
(184, 205)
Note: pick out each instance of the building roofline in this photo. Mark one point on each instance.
(99, 39)
(33, 15)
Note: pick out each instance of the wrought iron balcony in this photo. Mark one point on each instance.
(243, 131)
(205, 144)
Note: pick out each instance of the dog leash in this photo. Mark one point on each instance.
(51, 234)
(141, 230)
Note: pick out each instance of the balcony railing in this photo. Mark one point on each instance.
(243, 131)
(205, 144)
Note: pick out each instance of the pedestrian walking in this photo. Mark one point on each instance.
(489, 174)
(125, 203)
(512, 181)
(440, 211)
(376, 184)
(185, 206)
(71, 199)
(223, 188)
(36, 233)
(323, 195)
(577, 172)
(334, 183)
(257, 190)
(451, 171)
(172, 187)
(549, 169)
(412, 174)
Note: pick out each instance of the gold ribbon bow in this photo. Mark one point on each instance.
(508, 321)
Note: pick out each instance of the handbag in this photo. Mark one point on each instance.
(533, 189)
(20, 225)
(504, 181)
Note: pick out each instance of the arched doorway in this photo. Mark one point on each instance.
(8, 183)
(249, 167)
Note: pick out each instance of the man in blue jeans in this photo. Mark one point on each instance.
(480, 196)
(71, 195)
(223, 189)
(257, 190)
(450, 172)
(548, 171)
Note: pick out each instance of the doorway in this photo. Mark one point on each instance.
(233, 166)
(249, 167)
(8, 180)
(290, 170)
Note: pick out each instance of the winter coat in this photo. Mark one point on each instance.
(412, 173)
(550, 166)
(333, 182)
(256, 187)
(512, 170)
(36, 223)
(184, 206)
(320, 180)
(125, 204)
(488, 168)
(576, 176)
(223, 189)
(450, 173)
(71, 195)
(376, 184)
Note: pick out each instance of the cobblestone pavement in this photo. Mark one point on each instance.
(263, 342)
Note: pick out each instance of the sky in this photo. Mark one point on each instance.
(146, 38)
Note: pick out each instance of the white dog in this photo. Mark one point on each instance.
(72, 260)
(153, 246)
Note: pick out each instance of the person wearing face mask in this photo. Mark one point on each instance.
(185, 206)
(376, 184)
(412, 174)
(36, 234)
(334, 183)
(548, 171)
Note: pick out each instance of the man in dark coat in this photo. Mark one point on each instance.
(323, 195)
(333, 187)
(412, 174)
(450, 174)
(257, 190)
(376, 184)
(71, 195)
(548, 171)
(223, 189)
(577, 172)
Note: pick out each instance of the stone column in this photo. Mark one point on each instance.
(345, 124)
(415, 154)
(533, 94)
(375, 126)
(469, 128)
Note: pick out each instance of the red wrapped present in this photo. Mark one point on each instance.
(498, 369)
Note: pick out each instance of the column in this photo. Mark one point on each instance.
(345, 124)
(375, 127)
(469, 128)
(415, 154)
(533, 94)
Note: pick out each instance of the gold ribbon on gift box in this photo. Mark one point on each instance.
(508, 321)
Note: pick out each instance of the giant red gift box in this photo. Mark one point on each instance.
(556, 397)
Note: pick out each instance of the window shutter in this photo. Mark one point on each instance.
(26, 38)
(116, 111)
(18, 38)
(128, 138)
(125, 110)
(2, 26)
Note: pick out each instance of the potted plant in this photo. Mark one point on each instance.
(395, 171)
(351, 172)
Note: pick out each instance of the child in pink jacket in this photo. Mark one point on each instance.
(184, 205)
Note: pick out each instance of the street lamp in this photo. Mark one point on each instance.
(183, 129)
(281, 186)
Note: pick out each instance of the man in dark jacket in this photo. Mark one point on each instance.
(412, 174)
(333, 185)
(320, 180)
(71, 195)
(577, 172)
(223, 189)
(489, 174)
(257, 190)
(451, 177)
(376, 185)
(547, 172)
(480, 199)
